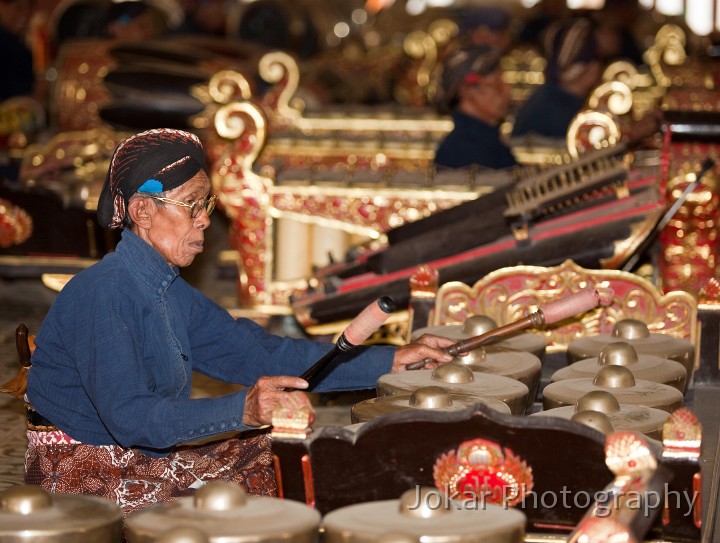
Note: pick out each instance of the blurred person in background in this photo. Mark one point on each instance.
(544, 14)
(16, 60)
(573, 70)
(484, 25)
(472, 89)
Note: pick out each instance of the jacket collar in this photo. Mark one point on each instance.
(145, 263)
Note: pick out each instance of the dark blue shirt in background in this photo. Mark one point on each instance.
(473, 142)
(547, 112)
(16, 63)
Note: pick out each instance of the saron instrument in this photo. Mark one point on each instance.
(223, 511)
(481, 324)
(424, 514)
(458, 379)
(621, 353)
(637, 334)
(638, 418)
(430, 397)
(30, 514)
(619, 381)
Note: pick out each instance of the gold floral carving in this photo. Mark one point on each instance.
(509, 294)
(612, 95)
(592, 129)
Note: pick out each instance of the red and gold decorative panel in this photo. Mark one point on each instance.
(509, 294)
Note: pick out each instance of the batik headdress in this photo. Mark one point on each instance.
(154, 161)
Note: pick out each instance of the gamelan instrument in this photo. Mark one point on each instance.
(32, 515)
(556, 311)
(520, 365)
(476, 325)
(621, 353)
(458, 379)
(619, 381)
(637, 334)
(578, 211)
(225, 513)
(594, 406)
(424, 514)
(429, 397)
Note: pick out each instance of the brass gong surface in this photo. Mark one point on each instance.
(620, 382)
(30, 514)
(422, 514)
(643, 341)
(637, 418)
(477, 325)
(644, 366)
(520, 365)
(458, 379)
(224, 512)
(432, 397)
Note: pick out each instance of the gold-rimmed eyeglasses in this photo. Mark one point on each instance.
(208, 204)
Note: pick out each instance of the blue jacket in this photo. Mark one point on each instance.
(548, 112)
(114, 356)
(473, 142)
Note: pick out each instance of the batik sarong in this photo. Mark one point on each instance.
(134, 480)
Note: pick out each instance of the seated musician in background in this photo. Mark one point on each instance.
(110, 381)
(473, 91)
(573, 70)
(484, 25)
(16, 62)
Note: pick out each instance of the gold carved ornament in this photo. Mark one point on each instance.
(481, 470)
(245, 196)
(509, 294)
(591, 129)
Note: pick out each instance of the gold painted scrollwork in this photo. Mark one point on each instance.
(622, 71)
(592, 130)
(426, 46)
(244, 196)
(614, 95)
(420, 45)
(443, 31)
(229, 85)
(230, 123)
(273, 68)
(668, 49)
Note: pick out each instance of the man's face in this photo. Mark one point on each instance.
(489, 98)
(173, 233)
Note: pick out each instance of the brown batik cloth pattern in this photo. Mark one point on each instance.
(134, 480)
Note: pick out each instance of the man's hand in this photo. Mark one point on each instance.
(269, 392)
(426, 346)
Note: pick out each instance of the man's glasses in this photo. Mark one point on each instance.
(208, 204)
